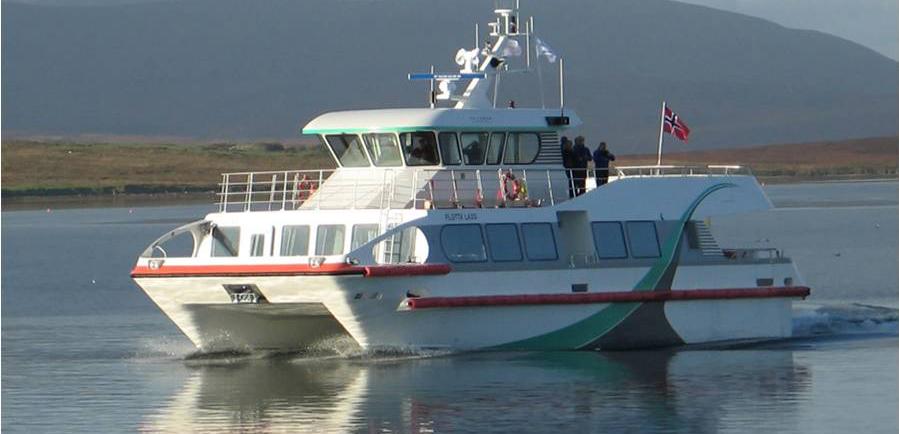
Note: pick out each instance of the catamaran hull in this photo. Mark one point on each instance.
(300, 311)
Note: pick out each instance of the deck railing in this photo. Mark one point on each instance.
(427, 188)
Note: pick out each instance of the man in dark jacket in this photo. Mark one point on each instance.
(568, 162)
(601, 159)
(581, 159)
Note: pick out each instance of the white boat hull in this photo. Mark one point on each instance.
(302, 310)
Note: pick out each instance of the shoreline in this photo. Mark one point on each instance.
(182, 197)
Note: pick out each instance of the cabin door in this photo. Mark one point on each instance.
(575, 237)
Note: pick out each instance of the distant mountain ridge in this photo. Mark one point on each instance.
(231, 68)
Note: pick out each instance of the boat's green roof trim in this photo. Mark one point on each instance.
(424, 128)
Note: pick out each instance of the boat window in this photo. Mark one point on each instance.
(609, 240)
(363, 234)
(225, 241)
(329, 240)
(407, 245)
(348, 149)
(383, 149)
(257, 245)
(503, 242)
(522, 148)
(495, 151)
(643, 239)
(539, 241)
(449, 149)
(420, 148)
(474, 145)
(463, 243)
(181, 245)
(295, 241)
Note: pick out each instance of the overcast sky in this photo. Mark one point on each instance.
(872, 23)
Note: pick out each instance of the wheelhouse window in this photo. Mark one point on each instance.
(609, 240)
(474, 146)
(539, 241)
(503, 242)
(348, 150)
(329, 240)
(420, 148)
(495, 151)
(463, 243)
(522, 148)
(225, 241)
(644, 240)
(295, 241)
(384, 149)
(363, 234)
(449, 149)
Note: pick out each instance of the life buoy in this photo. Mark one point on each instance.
(514, 188)
(303, 189)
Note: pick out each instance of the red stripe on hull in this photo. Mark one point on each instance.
(407, 270)
(607, 297)
(290, 270)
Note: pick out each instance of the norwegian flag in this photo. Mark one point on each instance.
(673, 125)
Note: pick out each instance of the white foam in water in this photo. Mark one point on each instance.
(837, 319)
(164, 347)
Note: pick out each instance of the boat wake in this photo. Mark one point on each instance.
(812, 320)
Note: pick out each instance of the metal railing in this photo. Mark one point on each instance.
(715, 169)
(428, 188)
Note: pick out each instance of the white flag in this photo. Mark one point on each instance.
(512, 48)
(544, 50)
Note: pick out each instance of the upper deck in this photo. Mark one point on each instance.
(429, 188)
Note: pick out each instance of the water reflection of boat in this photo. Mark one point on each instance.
(459, 227)
(542, 392)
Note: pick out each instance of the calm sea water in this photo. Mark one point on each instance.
(83, 350)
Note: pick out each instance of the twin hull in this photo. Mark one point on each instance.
(299, 311)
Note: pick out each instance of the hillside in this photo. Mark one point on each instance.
(67, 169)
(859, 158)
(245, 70)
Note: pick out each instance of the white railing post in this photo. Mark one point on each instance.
(249, 197)
(549, 185)
(414, 188)
(284, 192)
(455, 188)
(318, 189)
(271, 196)
(224, 201)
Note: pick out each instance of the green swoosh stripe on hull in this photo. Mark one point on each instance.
(584, 333)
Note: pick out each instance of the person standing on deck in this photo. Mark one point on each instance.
(581, 158)
(601, 159)
(568, 163)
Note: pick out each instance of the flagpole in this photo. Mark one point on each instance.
(661, 133)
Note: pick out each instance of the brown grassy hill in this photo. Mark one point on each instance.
(60, 168)
(64, 168)
(870, 157)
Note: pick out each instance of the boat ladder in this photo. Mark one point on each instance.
(707, 243)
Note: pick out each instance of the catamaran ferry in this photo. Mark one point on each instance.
(457, 227)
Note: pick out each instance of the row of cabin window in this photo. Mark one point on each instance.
(329, 240)
(466, 242)
(423, 148)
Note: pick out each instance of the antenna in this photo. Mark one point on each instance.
(562, 85)
(477, 37)
(527, 43)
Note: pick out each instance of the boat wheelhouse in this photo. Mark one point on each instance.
(459, 228)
